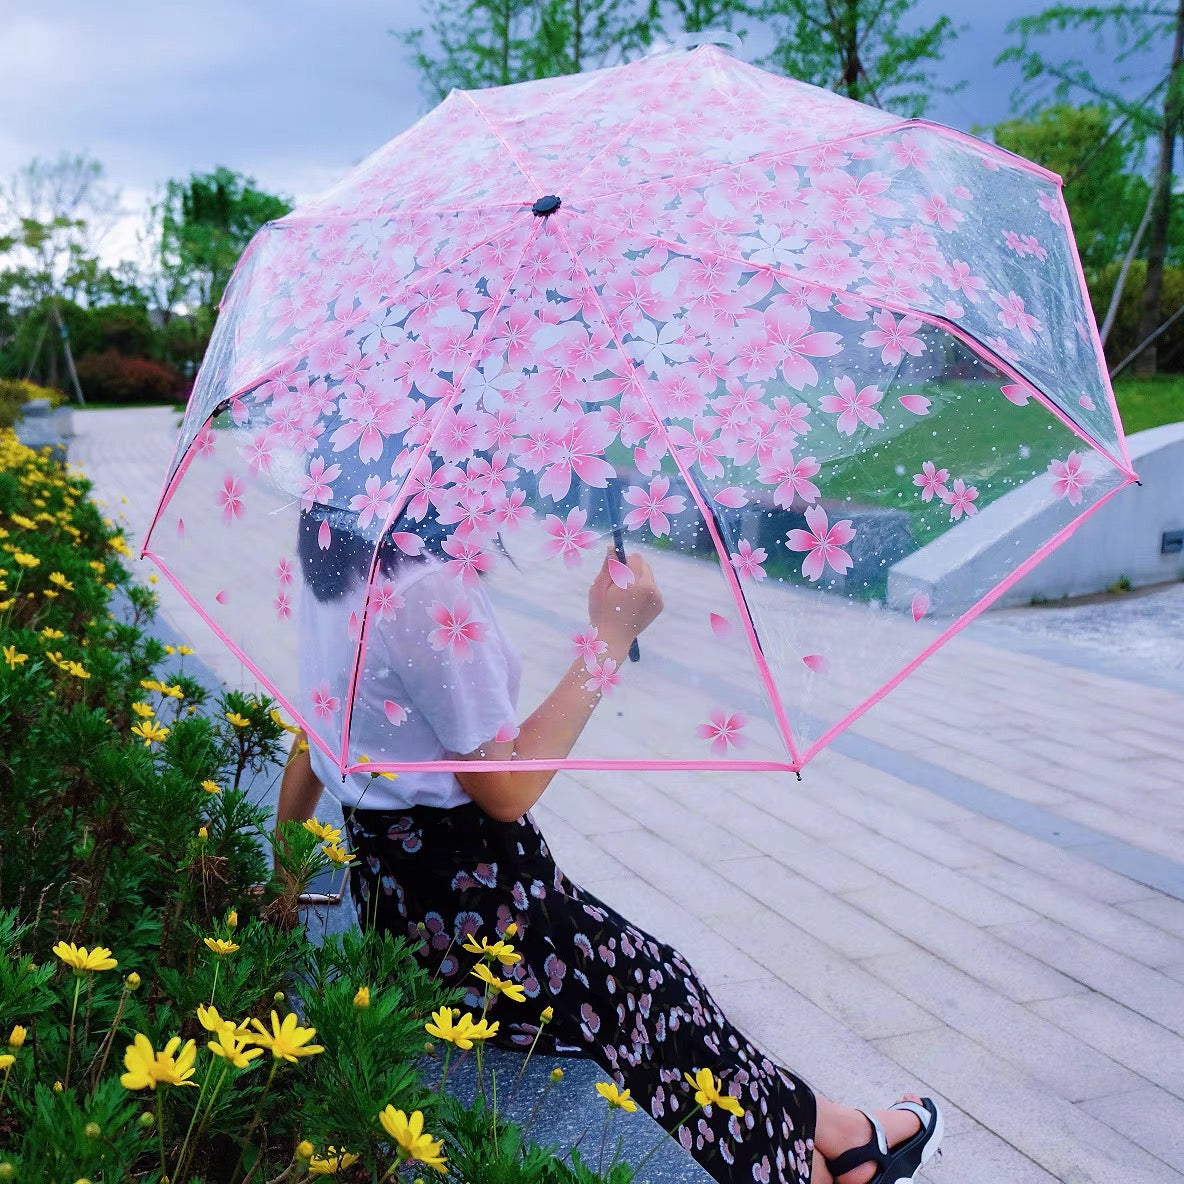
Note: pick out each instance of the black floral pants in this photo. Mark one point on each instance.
(619, 996)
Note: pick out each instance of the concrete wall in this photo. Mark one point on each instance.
(1122, 539)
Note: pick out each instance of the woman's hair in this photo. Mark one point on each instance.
(329, 571)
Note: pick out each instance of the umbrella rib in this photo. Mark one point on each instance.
(497, 135)
(939, 322)
(401, 497)
(709, 521)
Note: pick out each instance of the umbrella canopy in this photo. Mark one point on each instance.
(776, 340)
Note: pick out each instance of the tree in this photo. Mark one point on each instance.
(859, 48)
(206, 222)
(1104, 197)
(696, 16)
(1135, 28)
(472, 44)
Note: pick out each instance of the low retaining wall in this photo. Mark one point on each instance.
(1122, 540)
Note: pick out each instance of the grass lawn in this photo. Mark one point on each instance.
(1149, 402)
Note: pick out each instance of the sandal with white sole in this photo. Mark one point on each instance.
(899, 1164)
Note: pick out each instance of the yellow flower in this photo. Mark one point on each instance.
(557, 1074)
(202, 833)
(337, 853)
(218, 945)
(83, 960)
(501, 950)
(56, 577)
(173, 692)
(618, 1099)
(147, 1069)
(331, 1163)
(27, 523)
(365, 760)
(362, 998)
(17, 1037)
(548, 1015)
(232, 1046)
(185, 649)
(708, 1089)
(323, 831)
(500, 986)
(212, 1021)
(153, 577)
(279, 720)
(462, 1032)
(511, 930)
(239, 721)
(7, 1060)
(25, 559)
(119, 545)
(150, 731)
(13, 658)
(211, 786)
(232, 919)
(98, 566)
(288, 1040)
(76, 669)
(413, 1142)
(143, 710)
(152, 684)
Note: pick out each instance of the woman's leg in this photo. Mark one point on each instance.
(840, 1128)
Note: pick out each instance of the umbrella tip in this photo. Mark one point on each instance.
(546, 205)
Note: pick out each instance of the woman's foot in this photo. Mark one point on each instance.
(848, 1128)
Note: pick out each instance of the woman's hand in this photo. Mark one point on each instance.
(620, 614)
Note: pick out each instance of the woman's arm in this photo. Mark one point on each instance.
(550, 732)
(300, 789)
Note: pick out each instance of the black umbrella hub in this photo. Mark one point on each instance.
(546, 205)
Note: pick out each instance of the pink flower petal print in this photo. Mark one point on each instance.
(283, 606)
(221, 596)
(725, 730)
(1086, 402)
(324, 536)
(587, 645)
(653, 506)
(931, 481)
(568, 536)
(230, 498)
(917, 404)
(283, 572)
(456, 628)
(720, 626)
(395, 714)
(324, 702)
(620, 573)
(506, 733)
(852, 406)
(180, 528)
(960, 498)
(894, 339)
(604, 677)
(733, 497)
(819, 663)
(747, 560)
(823, 543)
(921, 604)
(1016, 393)
(1070, 478)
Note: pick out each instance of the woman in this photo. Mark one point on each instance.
(442, 855)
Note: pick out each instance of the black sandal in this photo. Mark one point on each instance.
(901, 1163)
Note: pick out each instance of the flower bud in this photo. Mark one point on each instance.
(57, 1087)
(511, 930)
(557, 1074)
(278, 997)
(147, 1119)
(17, 1038)
(132, 981)
(7, 1171)
(232, 919)
(548, 1015)
(92, 1130)
(202, 833)
(362, 998)
(304, 1150)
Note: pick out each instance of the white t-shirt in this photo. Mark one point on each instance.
(418, 698)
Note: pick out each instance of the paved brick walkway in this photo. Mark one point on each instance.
(992, 915)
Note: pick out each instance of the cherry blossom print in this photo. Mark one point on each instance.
(221, 596)
(204, 441)
(324, 702)
(794, 342)
(958, 276)
(960, 497)
(748, 560)
(894, 338)
(507, 733)
(620, 573)
(792, 478)
(1016, 393)
(908, 152)
(936, 210)
(604, 677)
(258, 452)
(1051, 206)
(653, 506)
(324, 536)
(317, 484)
(283, 605)
(733, 497)
(586, 644)
(395, 714)
(1070, 477)
(457, 629)
(385, 602)
(1013, 316)
(468, 559)
(283, 572)
(720, 625)
(931, 481)
(819, 663)
(725, 731)
(917, 404)
(230, 498)
(920, 605)
(568, 536)
(375, 502)
(852, 406)
(823, 543)
(1086, 403)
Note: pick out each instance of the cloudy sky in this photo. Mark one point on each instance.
(292, 92)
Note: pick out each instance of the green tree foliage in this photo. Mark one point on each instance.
(206, 222)
(1105, 199)
(864, 49)
(1137, 33)
(695, 16)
